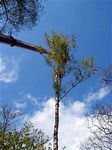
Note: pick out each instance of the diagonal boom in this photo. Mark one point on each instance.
(15, 42)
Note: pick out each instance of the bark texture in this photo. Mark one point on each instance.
(15, 42)
(56, 124)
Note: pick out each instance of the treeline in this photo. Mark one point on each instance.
(17, 136)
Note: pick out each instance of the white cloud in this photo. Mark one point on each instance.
(78, 107)
(73, 123)
(32, 99)
(26, 100)
(99, 95)
(73, 128)
(20, 105)
(8, 69)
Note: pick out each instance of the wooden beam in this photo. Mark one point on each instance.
(15, 42)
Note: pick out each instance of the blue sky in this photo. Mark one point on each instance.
(26, 79)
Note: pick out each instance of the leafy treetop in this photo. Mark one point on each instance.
(61, 59)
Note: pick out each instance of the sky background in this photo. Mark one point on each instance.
(26, 80)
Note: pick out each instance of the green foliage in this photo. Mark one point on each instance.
(63, 63)
(33, 138)
(88, 62)
(59, 55)
(19, 14)
(85, 70)
(11, 138)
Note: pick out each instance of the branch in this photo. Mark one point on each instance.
(74, 85)
(83, 78)
(5, 9)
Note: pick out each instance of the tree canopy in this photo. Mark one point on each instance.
(100, 125)
(62, 60)
(106, 80)
(16, 15)
(25, 137)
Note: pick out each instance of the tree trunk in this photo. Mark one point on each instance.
(56, 124)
